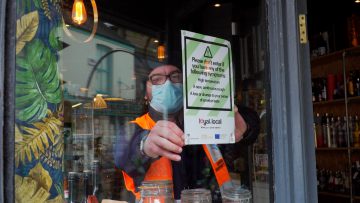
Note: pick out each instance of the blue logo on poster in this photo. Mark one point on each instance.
(217, 136)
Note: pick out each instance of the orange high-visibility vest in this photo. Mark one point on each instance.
(161, 169)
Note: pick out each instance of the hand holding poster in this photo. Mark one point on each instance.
(208, 83)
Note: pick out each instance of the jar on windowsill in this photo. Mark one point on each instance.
(236, 194)
(156, 192)
(199, 195)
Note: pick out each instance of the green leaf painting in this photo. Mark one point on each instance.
(54, 39)
(37, 82)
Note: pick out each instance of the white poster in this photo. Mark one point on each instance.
(208, 89)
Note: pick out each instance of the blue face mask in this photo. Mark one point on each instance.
(167, 98)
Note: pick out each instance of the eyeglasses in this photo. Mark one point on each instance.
(159, 79)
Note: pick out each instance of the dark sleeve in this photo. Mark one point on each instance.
(231, 151)
(252, 120)
(128, 157)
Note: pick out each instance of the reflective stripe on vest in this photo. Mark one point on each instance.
(161, 169)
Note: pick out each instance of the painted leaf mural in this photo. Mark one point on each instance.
(35, 141)
(54, 39)
(37, 82)
(34, 188)
(26, 28)
(39, 143)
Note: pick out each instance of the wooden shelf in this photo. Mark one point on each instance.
(354, 99)
(356, 197)
(333, 56)
(334, 194)
(335, 101)
(338, 101)
(337, 149)
(332, 149)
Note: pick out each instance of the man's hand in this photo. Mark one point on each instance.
(165, 139)
(240, 126)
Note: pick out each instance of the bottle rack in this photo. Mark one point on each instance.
(338, 158)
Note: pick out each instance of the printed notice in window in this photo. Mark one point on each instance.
(208, 89)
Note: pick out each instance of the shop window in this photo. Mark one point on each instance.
(76, 114)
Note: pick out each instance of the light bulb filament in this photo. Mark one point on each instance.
(78, 12)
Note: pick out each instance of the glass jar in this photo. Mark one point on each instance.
(236, 194)
(156, 192)
(199, 195)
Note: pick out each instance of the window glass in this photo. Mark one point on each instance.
(90, 109)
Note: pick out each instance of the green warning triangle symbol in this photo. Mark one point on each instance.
(207, 53)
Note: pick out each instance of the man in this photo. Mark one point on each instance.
(156, 150)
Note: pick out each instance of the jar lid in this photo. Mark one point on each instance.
(154, 188)
(156, 184)
(236, 193)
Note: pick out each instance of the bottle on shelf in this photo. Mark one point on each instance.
(313, 91)
(350, 84)
(319, 139)
(333, 131)
(357, 82)
(324, 130)
(86, 186)
(328, 131)
(340, 132)
(324, 90)
(322, 180)
(351, 131)
(330, 85)
(340, 89)
(356, 178)
(343, 130)
(73, 180)
(356, 133)
(95, 197)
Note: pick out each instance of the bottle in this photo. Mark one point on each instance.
(86, 186)
(357, 82)
(319, 133)
(156, 192)
(333, 131)
(351, 130)
(322, 180)
(350, 84)
(356, 133)
(315, 136)
(340, 132)
(324, 90)
(324, 131)
(66, 189)
(328, 131)
(73, 179)
(96, 190)
(313, 91)
(345, 137)
(196, 195)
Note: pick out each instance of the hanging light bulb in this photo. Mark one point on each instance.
(78, 12)
(161, 52)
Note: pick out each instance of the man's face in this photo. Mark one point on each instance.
(161, 70)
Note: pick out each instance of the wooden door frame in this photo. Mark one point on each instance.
(7, 99)
(291, 105)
